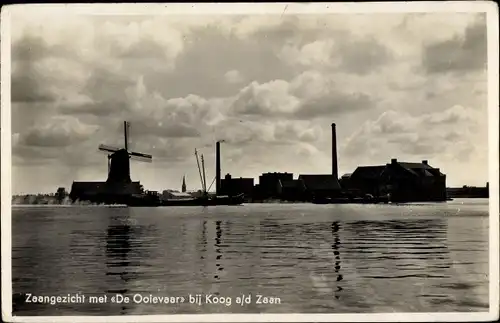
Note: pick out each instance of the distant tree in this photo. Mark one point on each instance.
(61, 194)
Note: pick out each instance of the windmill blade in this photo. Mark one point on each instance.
(108, 149)
(143, 159)
(147, 156)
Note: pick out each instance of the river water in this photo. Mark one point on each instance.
(301, 258)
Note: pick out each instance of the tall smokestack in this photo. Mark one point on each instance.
(125, 132)
(334, 152)
(217, 168)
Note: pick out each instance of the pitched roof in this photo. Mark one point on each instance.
(420, 172)
(320, 182)
(415, 169)
(420, 169)
(368, 172)
(294, 184)
(415, 165)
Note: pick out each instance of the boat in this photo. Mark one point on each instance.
(146, 199)
(152, 199)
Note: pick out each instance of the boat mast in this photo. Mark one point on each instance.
(204, 177)
(199, 169)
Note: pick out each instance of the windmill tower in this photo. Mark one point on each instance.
(119, 160)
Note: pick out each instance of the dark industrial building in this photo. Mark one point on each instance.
(269, 184)
(234, 186)
(306, 188)
(292, 190)
(404, 182)
(364, 180)
(321, 186)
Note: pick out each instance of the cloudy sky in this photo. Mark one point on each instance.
(407, 86)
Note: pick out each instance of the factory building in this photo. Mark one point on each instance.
(413, 182)
(233, 186)
(364, 180)
(269, 184)
(291, 190)
(405, 182)
(321, 186)
(344, 180)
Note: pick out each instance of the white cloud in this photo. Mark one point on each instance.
(319, 52)
(233, 76)
(57, 131)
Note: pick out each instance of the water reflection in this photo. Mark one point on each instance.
(118, 259)
(217, 245)
(203, 247)
(117, 251)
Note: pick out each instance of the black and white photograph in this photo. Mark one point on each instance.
(292, 160)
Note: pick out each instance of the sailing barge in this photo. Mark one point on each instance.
(152, 199)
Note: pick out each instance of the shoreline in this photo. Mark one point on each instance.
(245, 203)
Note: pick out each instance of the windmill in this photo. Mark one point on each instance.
(119, 159)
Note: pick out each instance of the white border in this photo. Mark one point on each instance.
(258, 8)
(253, 8)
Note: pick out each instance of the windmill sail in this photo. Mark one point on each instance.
(108, 148)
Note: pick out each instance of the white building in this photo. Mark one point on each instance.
(174, 195)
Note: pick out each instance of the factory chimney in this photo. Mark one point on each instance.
(217, 168)
(334, 152)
